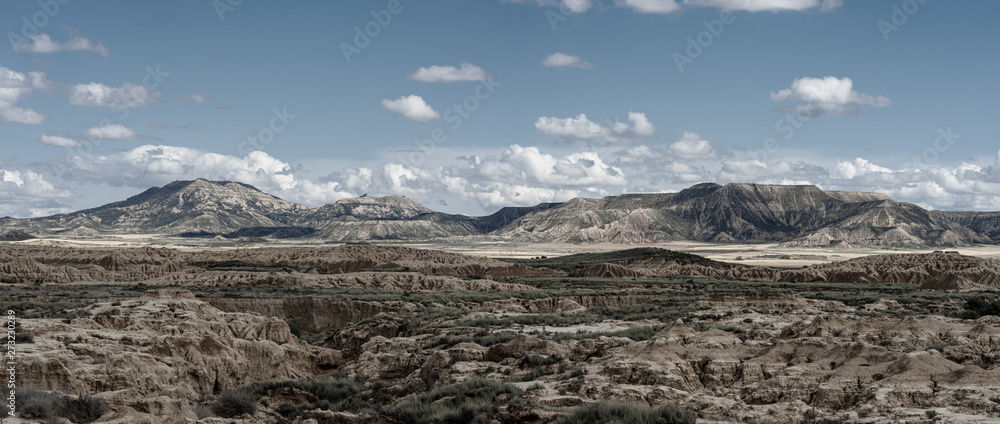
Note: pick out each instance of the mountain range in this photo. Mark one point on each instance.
(793, 214)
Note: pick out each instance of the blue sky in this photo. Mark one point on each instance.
(908, 112)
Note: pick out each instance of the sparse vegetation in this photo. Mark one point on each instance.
(469, 401)
(35, 403)
(621, 413)
(978, 306)
(236, 402)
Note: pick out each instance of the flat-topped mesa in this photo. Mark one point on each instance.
(858, 196)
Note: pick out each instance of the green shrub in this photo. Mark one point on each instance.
(295, 329)
(83, 409)
(35, 403)
(465, 402)
(983, 306)
(621, 413)
(487, 339)
(236, 402)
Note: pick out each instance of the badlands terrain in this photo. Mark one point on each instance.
(113, 330)
(214, 302)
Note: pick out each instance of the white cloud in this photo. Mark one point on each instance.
(466, 72)
(42, 43)
(156, 165)
(124, 97)
(571, 6)
(28, 193)
(58, 141)
(671, 6)
(815, 97)
(650, 6)
(14, 85)
(765, 5)
(582, 128)
(111, 132)
(412, 107)
(858, 167)
(562, 60)
(641, 124)
(692, 147)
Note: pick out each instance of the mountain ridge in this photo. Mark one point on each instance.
(737, 212)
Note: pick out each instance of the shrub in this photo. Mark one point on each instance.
(295, 329)
(489, 339)
(465, 402)
(35, 403)
(83, 409)
(982, 306)
(22, 336)
(620, 413)
(236, 402)
(203, 411)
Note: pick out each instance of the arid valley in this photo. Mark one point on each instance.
(500, 212)
(150, 328)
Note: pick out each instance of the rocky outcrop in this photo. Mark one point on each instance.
(164, 344)
(313, 315)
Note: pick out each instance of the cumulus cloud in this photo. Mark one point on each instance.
(412, 107)
(815, 97)
(42, 43)
(14, 85)
(27, 193)
(691, 147)
(517, 176)
(466, 72)
(111, 132)
(582, 128)
(125, 97)
(155, 165)
(58, 141)
(859, 167)
(562, 60)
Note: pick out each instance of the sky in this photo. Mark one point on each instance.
(470, 106)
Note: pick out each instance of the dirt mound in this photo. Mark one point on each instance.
(15, 235)
(607, 270)
(931, 271)
(366, 266)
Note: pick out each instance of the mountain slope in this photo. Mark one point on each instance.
(804, 215)
(180, 206)
(384, 218)
(797, 215)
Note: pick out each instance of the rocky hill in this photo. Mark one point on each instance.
(798, 215)
(744, 213)
(180, 206)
